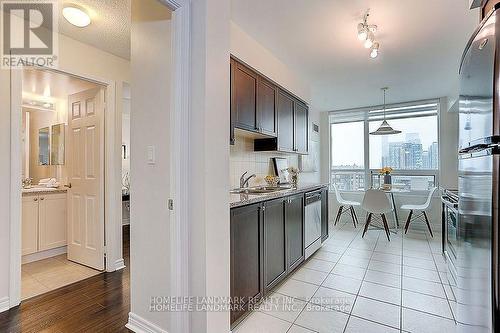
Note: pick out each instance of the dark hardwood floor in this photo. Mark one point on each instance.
(97, 304)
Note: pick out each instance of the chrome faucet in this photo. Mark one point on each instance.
(244, 181)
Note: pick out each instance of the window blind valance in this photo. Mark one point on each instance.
(393, 111)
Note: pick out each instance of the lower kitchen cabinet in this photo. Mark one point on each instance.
(247, 262)
(324, 214)
(267, 244)
(294, 217)
(275, 261)
(43, 222)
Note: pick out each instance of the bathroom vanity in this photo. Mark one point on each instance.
(43, 222)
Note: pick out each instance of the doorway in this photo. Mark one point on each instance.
(62, 210)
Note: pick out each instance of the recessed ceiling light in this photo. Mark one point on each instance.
(76, 15)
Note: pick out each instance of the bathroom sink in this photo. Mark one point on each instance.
(258, 190)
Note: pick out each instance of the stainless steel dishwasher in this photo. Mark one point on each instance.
(312, 223)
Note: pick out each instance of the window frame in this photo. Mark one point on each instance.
(366, 148)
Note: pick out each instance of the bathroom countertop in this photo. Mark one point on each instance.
(238, 200)
(43, 190)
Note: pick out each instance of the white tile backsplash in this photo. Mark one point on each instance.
(244, 158)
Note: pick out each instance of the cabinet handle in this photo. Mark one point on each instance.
(42, 198)
(36, 199)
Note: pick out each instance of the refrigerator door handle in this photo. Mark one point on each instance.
(478, 148)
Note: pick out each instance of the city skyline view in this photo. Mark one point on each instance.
(416, 148)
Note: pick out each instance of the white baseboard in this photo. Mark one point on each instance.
(119, 264)
(4, 304)
(43, 254)
(138, 324)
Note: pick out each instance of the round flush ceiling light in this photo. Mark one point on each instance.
(76, 15)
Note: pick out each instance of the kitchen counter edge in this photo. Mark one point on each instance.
(249, 199)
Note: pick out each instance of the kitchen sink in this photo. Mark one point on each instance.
(258, 190)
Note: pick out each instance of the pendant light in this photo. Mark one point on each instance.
(385, 128)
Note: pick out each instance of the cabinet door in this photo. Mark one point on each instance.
(275, 263)
(324, 214)
(294, 216)
(285, 122)
(301, 128)
(29, 227)
(266, 107)
(52, 221)
(243, 97)
(246, 256)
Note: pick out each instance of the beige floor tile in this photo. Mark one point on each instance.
(31, 287)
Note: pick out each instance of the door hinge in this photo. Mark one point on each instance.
(171, 204)
(105, 249)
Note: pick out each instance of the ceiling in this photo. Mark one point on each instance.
(421, 43)
(47, 85)
(109, 29)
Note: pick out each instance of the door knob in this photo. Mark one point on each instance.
(42, 198)
(36, 199)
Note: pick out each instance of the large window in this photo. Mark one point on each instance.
(356, 156)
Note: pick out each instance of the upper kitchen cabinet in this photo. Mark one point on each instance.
(300, 128)
(253, 101)
(285, 122)
(292, 126)
(276, 119)
(243, 97)
(266, 107)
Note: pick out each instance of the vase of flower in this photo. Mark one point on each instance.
(294, 176)
(386, 172)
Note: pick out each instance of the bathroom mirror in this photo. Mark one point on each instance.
(57, 144)
(43, 146)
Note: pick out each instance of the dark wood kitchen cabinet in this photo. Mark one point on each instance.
(293, 127)
(300, 128)
(275, 263)
(324, 214)
(243, 97)
(247, 263)
(266, 107)
(294, 216)
(285, 122)
(267, 244)
(253, 101)
(277, 118)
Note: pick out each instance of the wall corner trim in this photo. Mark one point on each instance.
(4, 304)
(138, 324)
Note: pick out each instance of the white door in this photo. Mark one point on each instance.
(86, 176)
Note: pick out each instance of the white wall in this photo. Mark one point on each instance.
(150, 122)
(209, 160)
(448, 145)
(250, 51)
(126, 137)
(74, 57)
(5, 196)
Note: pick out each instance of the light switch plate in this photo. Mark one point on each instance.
(151, 155)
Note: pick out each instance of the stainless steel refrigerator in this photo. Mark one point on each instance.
(474, 270)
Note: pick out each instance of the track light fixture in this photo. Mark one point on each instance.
(366, 34)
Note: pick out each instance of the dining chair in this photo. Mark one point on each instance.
(422, 211)
(345, 206)
(376, 203)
